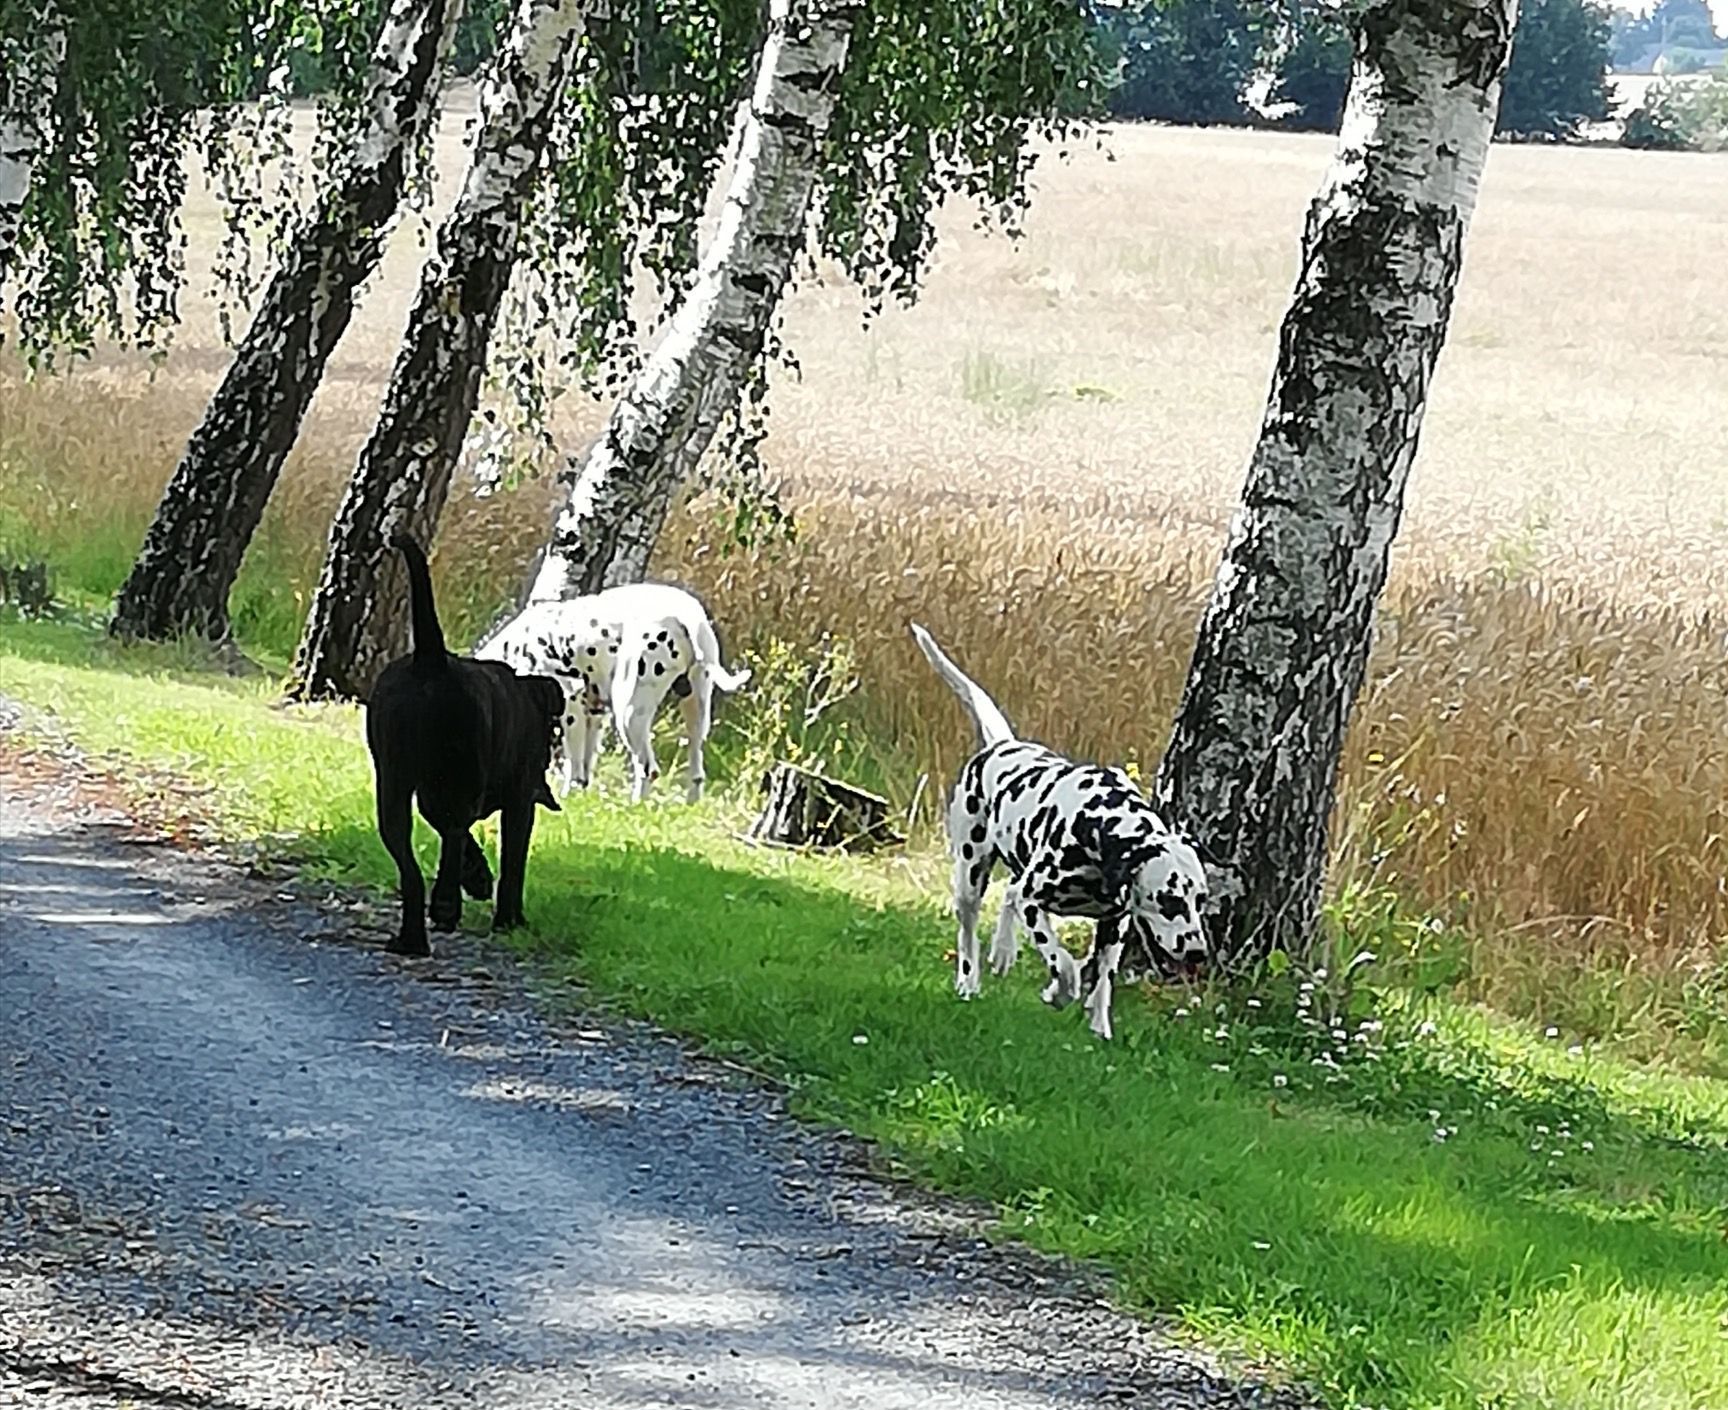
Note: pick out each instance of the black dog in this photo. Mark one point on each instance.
(470, 738)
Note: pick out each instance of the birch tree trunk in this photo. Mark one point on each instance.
(358, 620)
(26, 114)
(211, 508)
(1252, 766)
(621, 489)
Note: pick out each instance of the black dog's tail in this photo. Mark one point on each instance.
(428, 635)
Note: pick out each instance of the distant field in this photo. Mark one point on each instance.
(1040, 459)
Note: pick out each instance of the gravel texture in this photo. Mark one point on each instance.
(247, 1159)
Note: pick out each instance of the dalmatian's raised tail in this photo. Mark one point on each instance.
(706, 644)
(992, 724)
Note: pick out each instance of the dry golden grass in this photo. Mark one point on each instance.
(1039, 462)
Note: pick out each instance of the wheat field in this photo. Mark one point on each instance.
(1039, 461)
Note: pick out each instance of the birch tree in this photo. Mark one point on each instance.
(404, 471)
(1252, 765)
(192, 551)
(621, 490)
(928, 102)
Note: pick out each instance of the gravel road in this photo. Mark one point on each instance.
(247, 1159)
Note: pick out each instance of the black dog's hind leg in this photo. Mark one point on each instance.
(476, 871)
(516, 826)
(396, 828)
(446, 905)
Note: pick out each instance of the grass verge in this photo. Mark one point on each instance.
(1413, 1205)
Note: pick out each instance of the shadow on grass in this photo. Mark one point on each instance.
(77, 636)
(1332, 1226)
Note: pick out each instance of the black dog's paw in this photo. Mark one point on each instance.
(507, 920)
(409, 945)
(476, 873)
(446, 912)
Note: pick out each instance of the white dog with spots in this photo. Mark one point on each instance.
(1077, 840)
(621, 652)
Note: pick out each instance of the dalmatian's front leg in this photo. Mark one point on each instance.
(1064, 985)
(1037, 888)
(575, 724)
(1106, 955)
(1005, 946)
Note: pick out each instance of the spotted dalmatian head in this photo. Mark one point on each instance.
(1167, 902)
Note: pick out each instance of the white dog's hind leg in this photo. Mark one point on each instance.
(1005, 946)
(971, 880)
(638, 732)
(595, 732)
(698, 708)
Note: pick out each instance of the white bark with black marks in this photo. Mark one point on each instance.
(1252, 765)
(621, 490)
(26, 122)
(216, 496)
(358, 621)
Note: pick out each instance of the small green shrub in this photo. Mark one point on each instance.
(1681, 117)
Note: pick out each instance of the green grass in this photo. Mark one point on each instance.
(1416, 1205)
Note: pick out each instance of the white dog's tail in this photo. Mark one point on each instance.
(993, 726)
(705, 642)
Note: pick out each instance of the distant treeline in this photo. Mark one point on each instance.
(1239, 62)
(1287, 63)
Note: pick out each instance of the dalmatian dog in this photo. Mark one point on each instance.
(620, 653)
(1077, 840)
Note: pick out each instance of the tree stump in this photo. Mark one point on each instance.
(805, 809)
(26, 587)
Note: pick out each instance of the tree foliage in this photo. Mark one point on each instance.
(145, 85)
(1312, 76)
(940, 98)
(1558, 78)
(1676, 117)
(1187, 61)
(1670, 24)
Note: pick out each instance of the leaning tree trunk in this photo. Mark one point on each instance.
(26, 114)
(621, 490)
(211, 508)
(1283, 646)
(358, 620)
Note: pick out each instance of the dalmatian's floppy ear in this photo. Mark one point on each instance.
(1113, 866)
(1118, 879)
